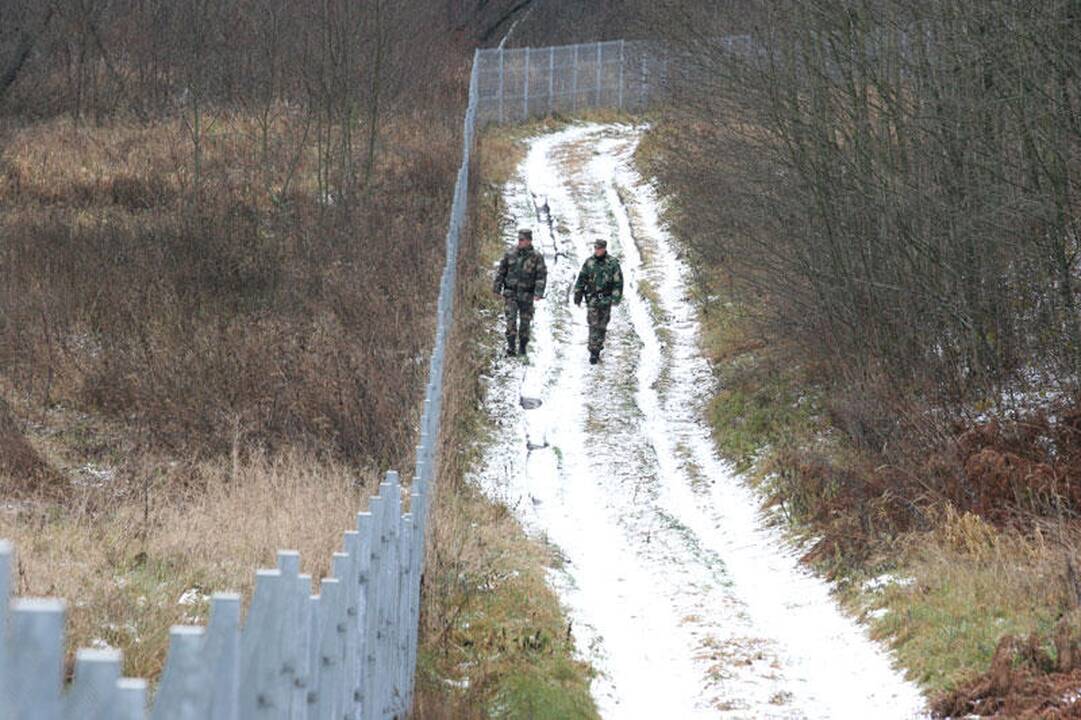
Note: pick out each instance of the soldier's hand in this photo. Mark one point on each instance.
(538, 297)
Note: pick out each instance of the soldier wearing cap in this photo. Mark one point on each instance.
(520, 280)
(600, 284)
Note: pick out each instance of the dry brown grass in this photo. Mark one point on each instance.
(193, 377)
(496, 642)
(123, 562)
(503, 147)
(187, 311)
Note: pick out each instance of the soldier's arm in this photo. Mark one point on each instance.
(617, 285)
(500, 275)
(583, 279)
(541, 277)
(580, 285)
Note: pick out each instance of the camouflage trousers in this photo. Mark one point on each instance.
(519, 315)
(598, 317)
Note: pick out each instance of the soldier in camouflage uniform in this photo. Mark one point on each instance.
(601, 285)
(521, 279)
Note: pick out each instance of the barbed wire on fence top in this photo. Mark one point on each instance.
(348, 647)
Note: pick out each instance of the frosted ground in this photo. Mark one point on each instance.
(683, 600)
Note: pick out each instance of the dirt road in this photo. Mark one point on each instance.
(684, 601)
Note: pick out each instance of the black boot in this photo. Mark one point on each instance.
(522, 342)
(594, 357)
(512, 349)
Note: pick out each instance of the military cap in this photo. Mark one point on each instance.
(600, 244)
(525, 233)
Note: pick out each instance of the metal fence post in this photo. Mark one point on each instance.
(330, 651)
(376, 562)
(392, 504)
(551, 77)
(131, 699)
(222, 655)
(525, 84)
(304, 682)
(364, 579)
(315, 622)
(341, 567)
(93, 693)
(501, 69)
(261, 650)
(37, 630)
(182, 692)
(405, 615)
(622, 58)
(574, 90)
(642, 85)
(7, 562)
(292, 643)
(600, 68)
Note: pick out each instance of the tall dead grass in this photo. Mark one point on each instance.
(195, 372)
(188, 312)
(130, 568)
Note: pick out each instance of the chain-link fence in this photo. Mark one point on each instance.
(515, 85)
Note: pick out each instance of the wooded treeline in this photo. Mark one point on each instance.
(890, 192)
(347, 63)
(907, 190)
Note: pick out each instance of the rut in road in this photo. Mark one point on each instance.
(681, 597)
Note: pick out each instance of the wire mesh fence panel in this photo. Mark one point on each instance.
(514, 74)
(522, 83)
(564, 86)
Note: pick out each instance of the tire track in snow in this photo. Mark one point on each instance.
(686, 606)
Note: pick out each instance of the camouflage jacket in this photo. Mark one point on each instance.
(601, 281)
(522, 273)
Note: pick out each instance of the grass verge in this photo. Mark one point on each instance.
(969, 584)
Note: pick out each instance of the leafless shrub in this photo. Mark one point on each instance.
(891, 188)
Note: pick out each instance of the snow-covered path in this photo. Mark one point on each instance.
(680, 597)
